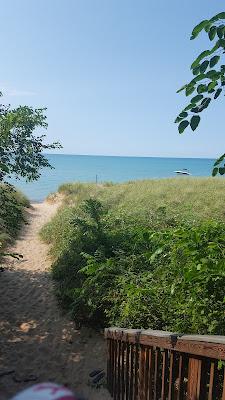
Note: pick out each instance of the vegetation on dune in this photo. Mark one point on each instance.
(12, 205)
(144, 254)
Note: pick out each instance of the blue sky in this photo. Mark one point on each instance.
(108, 70)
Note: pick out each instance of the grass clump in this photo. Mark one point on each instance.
(12, 204)
(145, 254)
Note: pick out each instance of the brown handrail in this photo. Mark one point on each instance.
(153, 365)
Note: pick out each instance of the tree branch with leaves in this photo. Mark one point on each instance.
(209, 79)
(20, 148)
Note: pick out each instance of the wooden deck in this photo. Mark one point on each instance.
(154, 365)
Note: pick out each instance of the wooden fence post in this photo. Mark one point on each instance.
(194, 378)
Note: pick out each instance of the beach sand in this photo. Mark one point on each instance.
(36, 339)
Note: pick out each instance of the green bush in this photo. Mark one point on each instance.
(12, 204)
(166, 271)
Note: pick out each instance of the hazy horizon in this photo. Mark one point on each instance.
(121, 155)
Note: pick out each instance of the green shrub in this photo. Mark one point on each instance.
(12, 204)
(164, 270)
(182, 286)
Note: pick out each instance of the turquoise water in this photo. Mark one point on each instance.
(70, 168)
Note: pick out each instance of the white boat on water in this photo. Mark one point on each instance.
(182, 172)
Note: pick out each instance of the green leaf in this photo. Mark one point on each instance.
(4, 167)
(215, 171)
(183, 114)
(221, 43)
(189, 107)
(204, 66)
(214, 60)
(213, 74)
(217, 17)
(211, 86)
(195, 109)
(182, 88)
(197, 98)
(219, 160)
(222, 170)
(196, 71)
(177, 120)
(197, 79)
(212, 32)
(220, 31)
(200, 58)
(189, 90)
(201, 88)
(205, 102)
(217, 93)
(183, 125)
(195, 122)
(198, 28)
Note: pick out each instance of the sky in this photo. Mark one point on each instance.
(108, 71)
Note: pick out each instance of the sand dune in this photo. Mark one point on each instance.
(36, 340)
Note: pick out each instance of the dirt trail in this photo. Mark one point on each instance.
(36, 339)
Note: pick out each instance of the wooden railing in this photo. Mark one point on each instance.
(157, 365)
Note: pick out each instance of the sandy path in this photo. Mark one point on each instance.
(35, 338)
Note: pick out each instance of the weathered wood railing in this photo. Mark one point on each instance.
(157, 365)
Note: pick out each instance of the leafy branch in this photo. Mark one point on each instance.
(208, 82)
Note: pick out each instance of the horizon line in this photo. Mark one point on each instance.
(126, 156)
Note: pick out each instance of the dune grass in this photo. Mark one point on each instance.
(187, 198)
(147, 203)
(12, 205)
(143, 254)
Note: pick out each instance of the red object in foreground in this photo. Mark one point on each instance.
(45, 391)
(153, 365)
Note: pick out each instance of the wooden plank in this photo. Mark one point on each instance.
(127, 373)
(115, 371)
(150, 373)
(216, 339)
(136, 369)
(194, 378)
(109, 364)
(172, 376)
(123, 370)
(118, 370)
(112, 366)
(146, 375)
(223, 393)
(207, 346)
(204, 349)
(131, 372)
(211, 380)
(164, 374)
(204, 378)
(180, 380)
(142, 374)
(156, 375)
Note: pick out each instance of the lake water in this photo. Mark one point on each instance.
(71, 168)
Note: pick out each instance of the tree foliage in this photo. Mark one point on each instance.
(21, 157)
(20, 148)
(208, 80)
